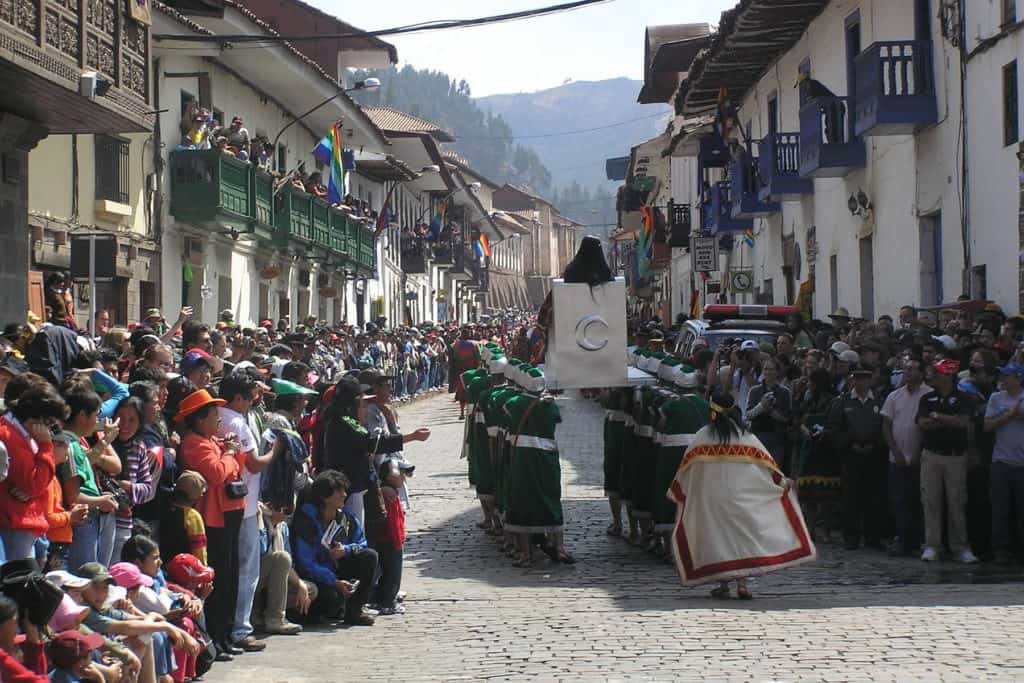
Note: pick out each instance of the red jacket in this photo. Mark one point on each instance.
(13, 671)
(30, 471)
(394, 530)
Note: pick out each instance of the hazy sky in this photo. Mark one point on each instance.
(593, 43)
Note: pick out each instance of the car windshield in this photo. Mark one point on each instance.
(716, 337)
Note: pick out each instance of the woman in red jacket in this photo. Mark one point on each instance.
(220, 463)
(25, 433)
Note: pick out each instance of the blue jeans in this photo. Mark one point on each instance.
(248, 575)
(18, 545)
(96, 533)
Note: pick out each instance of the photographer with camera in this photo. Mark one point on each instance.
(769, 411)
(736, 368)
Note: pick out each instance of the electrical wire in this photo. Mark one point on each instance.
(435, 25)
(571, 132)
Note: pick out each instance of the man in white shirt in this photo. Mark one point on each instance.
(239, 390)
(902, 435)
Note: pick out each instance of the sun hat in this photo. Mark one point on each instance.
(849, 356)
(197, 400)
(129, 576)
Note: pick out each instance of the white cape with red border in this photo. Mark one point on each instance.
(734, 517)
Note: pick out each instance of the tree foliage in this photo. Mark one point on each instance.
(484, 139)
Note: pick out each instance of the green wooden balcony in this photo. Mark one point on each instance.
(293, 216)
(210, 187)
(339, 233)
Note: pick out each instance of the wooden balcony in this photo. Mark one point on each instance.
(828, 146)
(745, 190)
(45, 46)
(722, 219)
(779, 168)
(895, 88)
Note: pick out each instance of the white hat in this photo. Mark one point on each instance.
(749, 345)
(278, 367)
(496, 366)
(66, 579)
(838, 347)
(946, 341)
(686, 380)
(850, 356)
(536, 384)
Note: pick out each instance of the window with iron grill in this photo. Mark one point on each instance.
(1011, 107)
(112, 168)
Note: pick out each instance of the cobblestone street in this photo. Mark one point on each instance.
(620, 614)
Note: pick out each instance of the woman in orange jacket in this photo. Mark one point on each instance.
(220, 463)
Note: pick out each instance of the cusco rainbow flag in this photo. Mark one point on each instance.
(328, 152)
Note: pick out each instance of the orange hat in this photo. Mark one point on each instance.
(195, 401)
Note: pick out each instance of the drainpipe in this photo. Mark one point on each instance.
(158, 194)
(965, 186)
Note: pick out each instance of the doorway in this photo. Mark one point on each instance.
(867, 278)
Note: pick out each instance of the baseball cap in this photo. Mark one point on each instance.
(68, 647)
(946, 341)
(947, 367)
(749, 345)
(68, 614)
(187, 570)
(1015, 369)
(153, 314)
(96, 573)
(192, 359)
(838, 347)
(849, 356)
(66, 579)
(127, 575)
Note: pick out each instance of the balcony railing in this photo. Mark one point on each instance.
(444, 254)
(745, 189)
(779, 168)
(209, 186)
(828, 147)
(293, 216)
(895, 88)
(680, 225)
(414, 255)
(721, 210)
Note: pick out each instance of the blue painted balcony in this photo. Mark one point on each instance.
(721, 210)
(745, 190)
(828, 147)
(895, 88)
(713, 152)
(706, 214)
(779, 168)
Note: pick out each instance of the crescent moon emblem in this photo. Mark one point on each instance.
(582, 333)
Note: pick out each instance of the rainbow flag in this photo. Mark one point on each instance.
(748, 237)
(329, 153)
(483, 247)
(436, 225)
(383, 220)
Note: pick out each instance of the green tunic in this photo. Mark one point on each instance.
(645, 456)
(534, 503)
(627, 449)
(476, 384)
(488, 410)
(614, 425)
(504, 444)
(683, 418)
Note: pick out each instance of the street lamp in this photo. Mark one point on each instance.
(368, 84)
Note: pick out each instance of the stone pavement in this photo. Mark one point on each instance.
(621, 615)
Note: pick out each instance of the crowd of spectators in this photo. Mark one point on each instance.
(902, 435)
(169, 491)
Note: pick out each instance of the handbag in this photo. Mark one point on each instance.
(236, 489)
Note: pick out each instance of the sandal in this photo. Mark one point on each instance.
(614, 529)
(720, 593)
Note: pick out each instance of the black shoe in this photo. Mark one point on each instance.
(230, 648)
(360, 620)
(223, 656)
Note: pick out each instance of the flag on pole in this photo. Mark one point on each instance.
(384, 217)
(748, 237)
(436, 224)
(329, 153)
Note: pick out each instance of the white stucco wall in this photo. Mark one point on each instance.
(905, 176)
